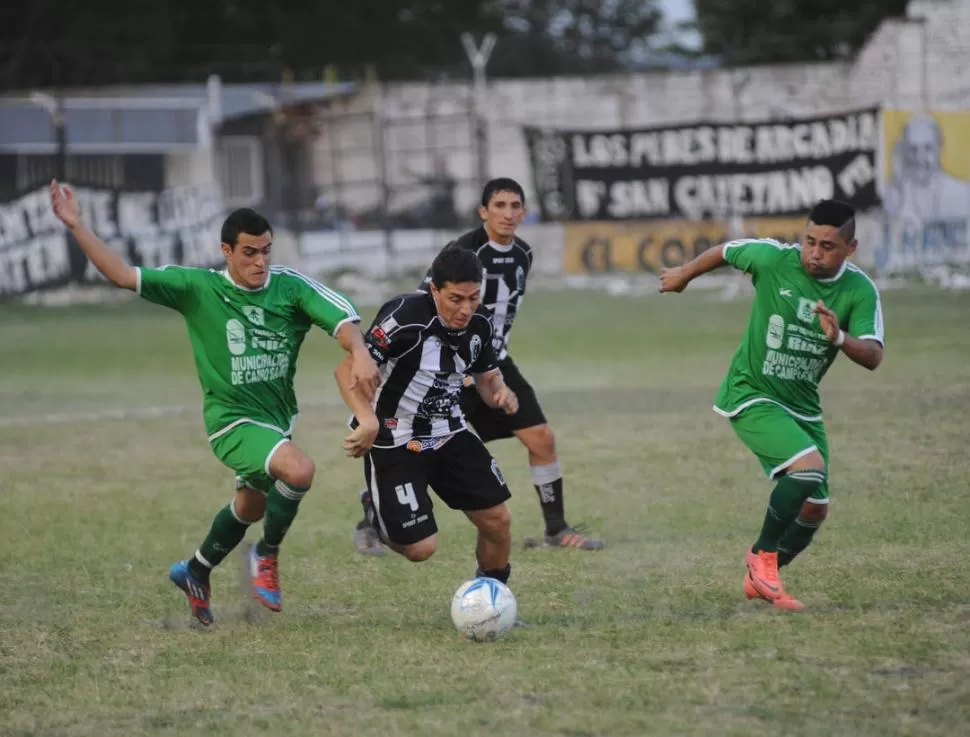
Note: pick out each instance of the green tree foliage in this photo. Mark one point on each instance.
(770, 31)
(54, 43)
(548, 37)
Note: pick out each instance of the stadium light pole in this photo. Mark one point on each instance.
(478, 57)
(54, 108)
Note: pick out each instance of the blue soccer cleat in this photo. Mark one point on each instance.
(197, 593)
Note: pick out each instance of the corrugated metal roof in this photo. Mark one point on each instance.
(150, 119)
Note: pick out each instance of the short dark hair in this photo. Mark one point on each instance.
(836, 213)
(502, 184)
(243, 220)
(456, 265)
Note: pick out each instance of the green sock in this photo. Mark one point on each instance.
(282, 504)
(786, 501)
(226, 532)
(797, 537)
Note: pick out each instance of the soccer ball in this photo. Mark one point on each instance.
(483, 609)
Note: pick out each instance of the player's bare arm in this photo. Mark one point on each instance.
(114, 268)
(363, 371)
(865, 352)
(493, 391)
(677, 278)
(362, 438)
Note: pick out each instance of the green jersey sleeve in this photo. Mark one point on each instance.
(326, 308)
(753, 256)
(865, 318)
(169, 286)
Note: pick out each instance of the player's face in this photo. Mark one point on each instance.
(503, 215)
(824, 250)
(248, 261)
(457, 302)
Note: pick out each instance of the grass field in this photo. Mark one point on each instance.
(650, 637)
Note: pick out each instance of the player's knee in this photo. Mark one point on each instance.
(813, 513)
(421, 550)
(299, 472)
(496, 522)
(542, 442)
(249, 505)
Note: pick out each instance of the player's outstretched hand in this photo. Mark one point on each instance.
(64, 204)
(364, 374)
(828, 320)
(360, 440)
(506, 400)
(673, 280)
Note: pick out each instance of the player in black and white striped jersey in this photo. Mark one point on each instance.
(507, 266)
(413, 435)
(507, 262)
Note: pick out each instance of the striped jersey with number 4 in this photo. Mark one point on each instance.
(784, 353)
(246, 341)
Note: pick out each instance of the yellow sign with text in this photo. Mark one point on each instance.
(652, 245)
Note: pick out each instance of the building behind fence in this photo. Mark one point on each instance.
(374, 175)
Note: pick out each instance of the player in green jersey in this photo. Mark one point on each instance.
(810, 303)
(246, 325)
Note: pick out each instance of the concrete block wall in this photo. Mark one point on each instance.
(918, 61)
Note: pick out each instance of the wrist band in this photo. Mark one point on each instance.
(840, 339)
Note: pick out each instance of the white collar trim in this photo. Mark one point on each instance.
(501, 248)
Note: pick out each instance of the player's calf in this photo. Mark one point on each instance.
(494, 540)
(292, 471)
(548, 482)
(802, 481)
(785, 504)
(546, 474)
(799, 534)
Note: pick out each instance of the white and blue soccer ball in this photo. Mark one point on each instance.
(483, 609)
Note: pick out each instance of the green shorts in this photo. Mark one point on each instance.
(778, 439)
(247, 450)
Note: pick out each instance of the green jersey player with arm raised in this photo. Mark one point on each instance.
(246, 325)
(810, 304)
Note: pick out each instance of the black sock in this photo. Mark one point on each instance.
(226, 532)
(199, 571)
(796, 538)
(499, 574)
(786, 502)
(548, 484)
(282, 505)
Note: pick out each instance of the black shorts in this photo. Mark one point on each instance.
(462, 473)
(493, 424)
